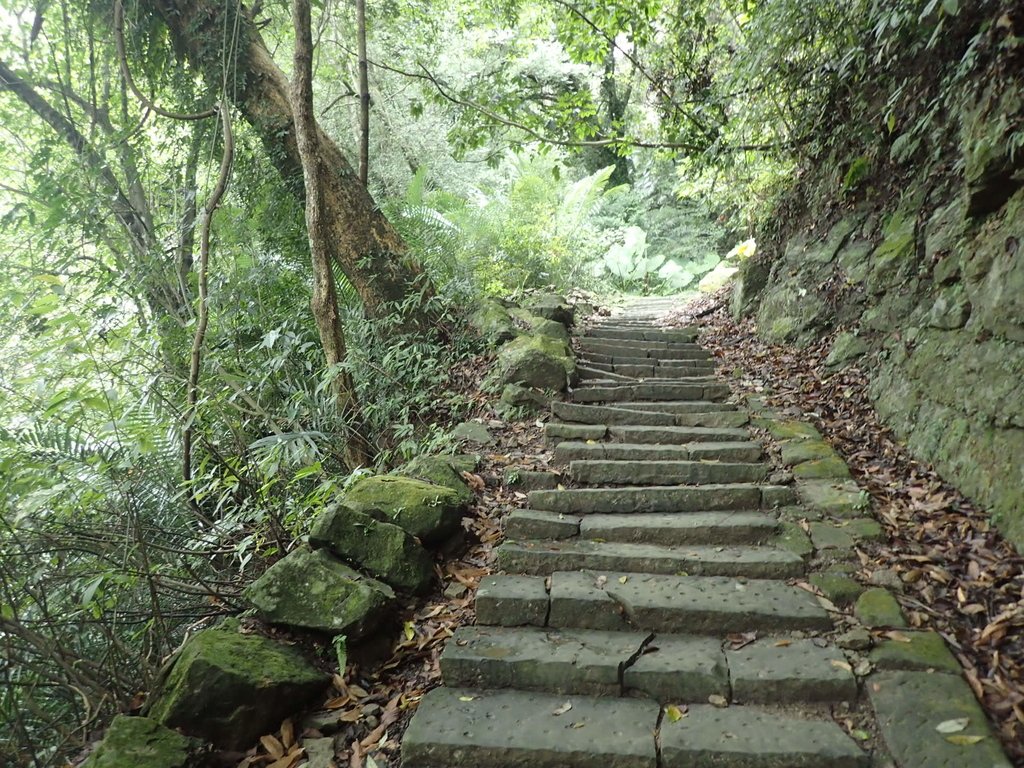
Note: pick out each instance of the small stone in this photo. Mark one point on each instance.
(840, 589)
(887, 578)
(717, 700)
(878, 608)
(780, 477)
(455, 590)
(319, 752)
(472, 432)
(856, 639)
(325, 722)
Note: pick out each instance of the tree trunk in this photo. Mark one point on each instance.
(364, 94)
(360, 239)
(325, 297)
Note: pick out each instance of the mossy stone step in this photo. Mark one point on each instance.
(666, 435)
(671, 529)
(587, 373)
(744, 737)
(644, 350)
(547, 557)
(679, 406)
(581, 661)
(774, 671)
(555, 431)
(534, 524)
(680, 604)
(650, 472)
(471, 728)
(645, 417)
(572, 450)
(655, 498)
(684, 389)
(642, 333)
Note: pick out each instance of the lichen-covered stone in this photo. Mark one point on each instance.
(381, 549)
(748, 284)
(230, 688)
(473, 432)
(140, 742)
(951, 309)
(915, 650)
(551, 306)
(441, 470)
(430, 512)
(799, 451)
(837, 587)
(793, 538)
(840, 498)
(541, 325)
(891, 259)
(493, 322)
(518, 396)
(537, 361)
(793, 430)
(878, 608)
(822, 468)
(314, 590)
(846, 347)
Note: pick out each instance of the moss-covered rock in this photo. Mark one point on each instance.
(530, 400)
(537, 361)
(822, 468)
(836, 498)
(846, 347)
(748, 285)
(878, 608)
(951, 309)
(541, 325)
(442, 470)
(792, 430)
(551, 306)
(378, 548)
(793, 538)
(837, 587)
(799, 451)
(314, 590)
(140, 742)
(493, 322)
(432, 513)
(894, 255)
(230, 688)
(916, 651)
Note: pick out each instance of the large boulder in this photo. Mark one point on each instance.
(431, 513)
(443, 470)
(493, 322)
(141, 742)
(541, 325)
(551, 306)
(315, 590)
(231, 688)
(537, 361)
(381, 549)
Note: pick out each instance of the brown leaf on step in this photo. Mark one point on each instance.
(739, 640)
(288, 733)
(474, 481)
(274, 747)
(288, 760)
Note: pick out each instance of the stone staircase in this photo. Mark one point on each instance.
(646, 616)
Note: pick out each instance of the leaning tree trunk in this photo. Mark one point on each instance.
(361, 240)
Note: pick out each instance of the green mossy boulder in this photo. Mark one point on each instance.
(833, 497)
(140, 742)
(798, 451)
(846, 348)
(837, 587)
(541, 325)
(536, 361)
(230, 688)
(530, 400)
(444, 471)
(493, 322)
(431, 513)
(878, 608)
(793, 430)
(314, 590)
(822, 468)
(551, 306)
(381, 549)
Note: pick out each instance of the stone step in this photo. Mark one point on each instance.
(645, 366)
(642, 334)
(656, 372)
(585, 413)
(586, 661)
(473, 728)
(715, 451)
(701, 605)
(537, 524)
(667, 435)
(683, 389)
(678, 406)
(555, 431)
(672, 529)
(655, 498)
(744, 737)
(770, 671)
(547, 557)
(587, 373)
(646, 472)
(646, 350)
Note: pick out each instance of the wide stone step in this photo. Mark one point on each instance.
(555, 431)
(547, 557)
(642, 334)
(590, 662)
(587, 373)
(721, 451)
(642, 367)
(667, 435)
(472, 728)
(646, 472)
(672, 529)
(770, 671)
(645, 350)
(703, 605)
(744, 737)
(685, 389)
(678, 406)
(583, 413)
(672, 498)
